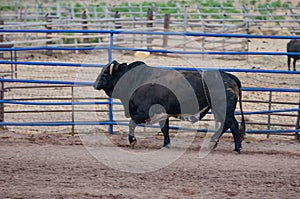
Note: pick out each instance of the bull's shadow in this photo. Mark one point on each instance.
(151, 95)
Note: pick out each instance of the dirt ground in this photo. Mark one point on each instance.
(59, 166)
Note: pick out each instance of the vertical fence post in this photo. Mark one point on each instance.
(246, 20)
(58, 9)
(149, 25)
(48, 34)
(72, 12)
(117, 16)
(84, 26)
(1, 36)
(166, 28)
(201, 20)
(269, 114)
(110, 100)
(25, 13)
(185, 26)
(1, 104)
(37, 11)
(150, 18)
(73, 109)
(223, 30)
(14, 58)
(118, 25)
(297, 136)
(21, 13)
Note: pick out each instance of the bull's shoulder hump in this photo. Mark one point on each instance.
(135, 64)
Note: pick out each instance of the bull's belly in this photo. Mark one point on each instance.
(185, 117)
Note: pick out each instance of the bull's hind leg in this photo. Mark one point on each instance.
(131, 137)
(234, 127)
(215, 138)
(164, 125)
(294, 63)
(236, 136)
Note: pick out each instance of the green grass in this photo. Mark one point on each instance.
(209, 7)
(7, 8)
(70, 40)
(78, 8)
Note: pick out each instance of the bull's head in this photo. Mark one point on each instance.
(109, 76)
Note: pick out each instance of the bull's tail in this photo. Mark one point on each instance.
(242, 127)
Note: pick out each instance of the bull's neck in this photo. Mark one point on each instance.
(117, 89)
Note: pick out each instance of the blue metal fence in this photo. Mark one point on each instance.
(110, 49)
(111, 103)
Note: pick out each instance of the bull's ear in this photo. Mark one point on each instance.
(115, 67)
(119, 67)
(122, 66)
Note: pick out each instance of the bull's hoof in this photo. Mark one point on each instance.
(166, 144)
(238, 151)
(132, 140)
(213, 143)
(215, 146)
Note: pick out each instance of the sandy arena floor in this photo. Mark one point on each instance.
(59, 166)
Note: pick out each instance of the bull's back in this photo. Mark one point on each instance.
(198, 83)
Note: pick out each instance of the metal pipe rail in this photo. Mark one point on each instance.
(51, 82)
(154, 33)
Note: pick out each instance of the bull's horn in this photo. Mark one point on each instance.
(111, 68)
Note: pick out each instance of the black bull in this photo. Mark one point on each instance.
(151, 95)
(293, 46)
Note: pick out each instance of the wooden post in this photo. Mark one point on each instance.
(117, 23)
(150, 18)
(149, 25)
(166, 29)
(48, 34)
(84, 26)
(1, 104)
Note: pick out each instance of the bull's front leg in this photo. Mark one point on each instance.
(131, 137)
(164, 125)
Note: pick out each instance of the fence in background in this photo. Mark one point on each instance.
(287, 112)
(197, 16)
(221, 18)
